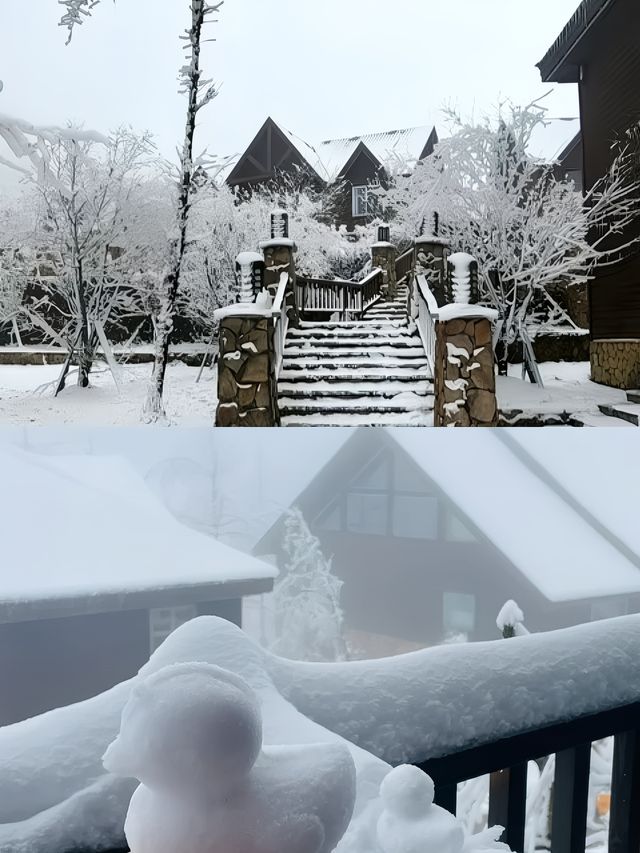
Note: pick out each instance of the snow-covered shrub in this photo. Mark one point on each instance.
(306, 599)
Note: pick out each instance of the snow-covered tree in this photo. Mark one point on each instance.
(307, 614)
(525, 224)
(85, 206)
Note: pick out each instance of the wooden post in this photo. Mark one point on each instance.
(446, 796)
(570, 800)
(624, 821)
(508, 804)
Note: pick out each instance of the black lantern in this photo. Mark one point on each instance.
(384, 234)
(279, 225)
(250, 270)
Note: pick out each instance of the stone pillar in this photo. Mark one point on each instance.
(383, 255)
(465, 382)
(616, 363)
(247, 388)
(431, 260)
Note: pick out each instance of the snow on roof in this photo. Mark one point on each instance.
(86, 526)
(548, 540)
(329, 157)
(550, 139)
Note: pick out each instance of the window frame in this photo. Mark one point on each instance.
(355, 197)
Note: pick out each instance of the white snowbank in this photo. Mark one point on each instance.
(461, 310)
(408, 708)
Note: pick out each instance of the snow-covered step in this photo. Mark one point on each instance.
(359, 373)
(379, 419)
(625, 411)
(371, 365)
(400, 404)
(594, 419)
(323, 333)
(314, 352)
(352, 390)
(351, 325)
(633, 396)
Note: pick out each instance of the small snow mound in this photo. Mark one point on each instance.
(410, 822)
(510, 614)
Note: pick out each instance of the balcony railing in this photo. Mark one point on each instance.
(346, 300)
(506, 761)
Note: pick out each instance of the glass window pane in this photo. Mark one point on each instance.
(458, 613)
(456, 530)
(415, 516)
(367, 513)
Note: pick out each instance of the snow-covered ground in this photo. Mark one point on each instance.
(26, 396)
(567, 388)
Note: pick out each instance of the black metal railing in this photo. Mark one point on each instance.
(506, 760)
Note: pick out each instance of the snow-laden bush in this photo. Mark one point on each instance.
(307, 614)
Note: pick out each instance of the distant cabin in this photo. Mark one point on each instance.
(348, 167)
(95, 575)
(599, 50)
(431, 539)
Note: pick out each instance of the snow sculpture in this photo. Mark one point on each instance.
(192, 734)
(410, 821)
(462, 274)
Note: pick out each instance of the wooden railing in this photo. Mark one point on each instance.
(348, 300)
(280, 319)
(506, 761)
(426, 318)
(405, 264)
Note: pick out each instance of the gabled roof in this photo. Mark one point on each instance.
(393, 148)
(555, 67)
(85, 534)
(271, 149)
(327, 160)
(569, 538)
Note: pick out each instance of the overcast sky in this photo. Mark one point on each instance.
(322, 69)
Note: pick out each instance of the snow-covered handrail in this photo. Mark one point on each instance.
(427, 317)
(280, 321)
(348, 299)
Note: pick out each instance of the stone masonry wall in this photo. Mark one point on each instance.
(465, 383)
(384, 255)
(616, 363)
(246, 386)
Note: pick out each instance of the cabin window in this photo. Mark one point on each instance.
(458, 613)
(360, 202)
(367, 513)
(164, 621)
(415, 516)
(608, 608)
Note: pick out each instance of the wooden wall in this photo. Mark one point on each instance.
(610, 103)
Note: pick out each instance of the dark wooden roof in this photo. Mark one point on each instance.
(361, 151)
(556, 66)
(271, 151)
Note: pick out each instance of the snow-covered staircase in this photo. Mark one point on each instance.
(370, 372)
(613, 414)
